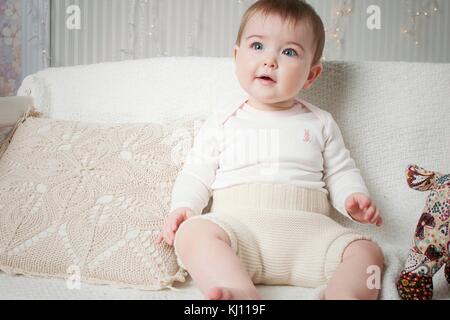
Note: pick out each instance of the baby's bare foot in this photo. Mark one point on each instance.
(221, 293)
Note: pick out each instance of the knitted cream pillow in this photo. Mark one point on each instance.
(89, 200)
(5, 131)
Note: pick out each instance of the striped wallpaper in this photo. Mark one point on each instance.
(113, 30)
(103, 33)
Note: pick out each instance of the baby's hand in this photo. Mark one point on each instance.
(173, 221)
(361, 208)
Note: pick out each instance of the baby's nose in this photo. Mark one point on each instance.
(270, 63)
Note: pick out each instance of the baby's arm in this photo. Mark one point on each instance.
(192, 188)
(341, 176)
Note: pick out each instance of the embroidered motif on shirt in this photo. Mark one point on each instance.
(307, 136)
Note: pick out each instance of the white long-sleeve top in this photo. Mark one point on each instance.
(302, 145)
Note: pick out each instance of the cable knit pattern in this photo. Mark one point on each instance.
(89, 196)
(282, 233)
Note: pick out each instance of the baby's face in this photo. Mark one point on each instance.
(272, 47)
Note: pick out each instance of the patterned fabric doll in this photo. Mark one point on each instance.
(431, 243)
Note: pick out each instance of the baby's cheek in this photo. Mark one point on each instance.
(291, 85)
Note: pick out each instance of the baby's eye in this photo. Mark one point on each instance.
(256, 45)
(291, 52)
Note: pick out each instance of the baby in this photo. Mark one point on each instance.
(269, 218)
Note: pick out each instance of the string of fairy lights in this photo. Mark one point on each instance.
(39, 15)
(339, 19)
(144, 26)
(137, 41)
(428, 9)
(335, 32)
(144, 29)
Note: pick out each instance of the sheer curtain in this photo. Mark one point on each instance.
(35, 36)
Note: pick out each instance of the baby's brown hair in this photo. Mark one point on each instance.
(292, 11)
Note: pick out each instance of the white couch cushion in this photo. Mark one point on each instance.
(156, 90)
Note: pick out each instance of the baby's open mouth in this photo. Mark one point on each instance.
(266, 79)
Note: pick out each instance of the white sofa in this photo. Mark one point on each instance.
(391, 114)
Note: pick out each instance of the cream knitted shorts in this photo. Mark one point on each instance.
(282, 233)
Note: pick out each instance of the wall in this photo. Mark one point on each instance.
(112, 30)
(33, 38)
(24, 41)
(103, 33)
(10, 46)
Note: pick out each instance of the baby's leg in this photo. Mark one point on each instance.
(204, 248)
(350, 280)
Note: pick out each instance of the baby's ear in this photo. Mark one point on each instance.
(313, 75)
(421, 179)
(235, 50)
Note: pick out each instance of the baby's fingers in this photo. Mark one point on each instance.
(374, 217)
(352, 205)
(169, 235)
(379, 222)
(369, 215)
(162, 236)
(174, 225)
(177, 221)
(159, 239)
(377, 218)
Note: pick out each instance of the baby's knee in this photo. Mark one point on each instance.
(196, 231)
(367, 250)
(186, 234)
